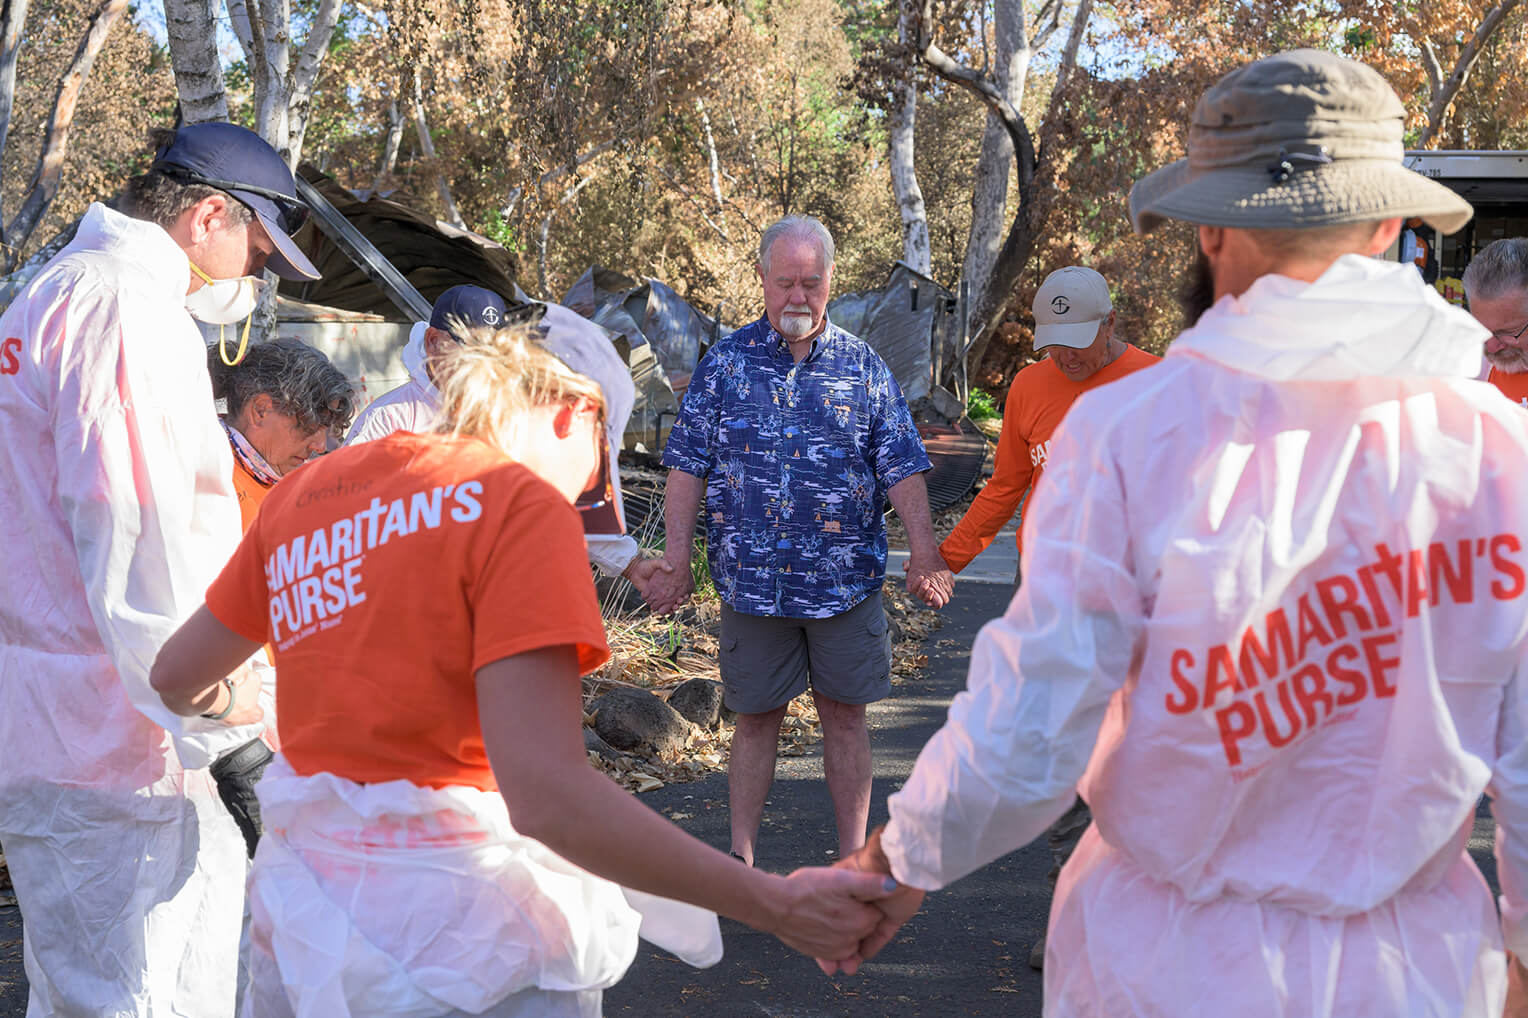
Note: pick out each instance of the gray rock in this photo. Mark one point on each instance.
(592, 741)
(636, 721)
(699, 700)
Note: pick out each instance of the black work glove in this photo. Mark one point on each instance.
(236, 773)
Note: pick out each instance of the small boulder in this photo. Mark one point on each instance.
(636, 721)
(593, 742)
(699, 700)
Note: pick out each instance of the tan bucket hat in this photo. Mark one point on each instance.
(1299, 139)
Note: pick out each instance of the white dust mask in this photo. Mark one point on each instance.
(223, 302)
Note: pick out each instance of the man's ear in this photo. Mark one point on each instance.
(260, 405)
(1211, 240)
(207, 217)
(1384, 236)
(437, 341)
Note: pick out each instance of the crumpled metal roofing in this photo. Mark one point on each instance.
(900, 320)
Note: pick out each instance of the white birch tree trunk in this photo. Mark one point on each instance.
(391, 145)
(305, 75)
(916, 249)
(194, 56)
(13, 16)
(989, 191)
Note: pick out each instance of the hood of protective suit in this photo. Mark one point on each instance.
(414, 356)
(1379, 318)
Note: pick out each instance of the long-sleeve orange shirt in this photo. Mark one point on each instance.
(1037, 400)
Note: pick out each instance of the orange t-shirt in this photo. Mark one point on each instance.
(386, 574)
(1037, 400)
(1514, 385)
(250, 491)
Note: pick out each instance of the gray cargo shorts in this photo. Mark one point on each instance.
(766, 661)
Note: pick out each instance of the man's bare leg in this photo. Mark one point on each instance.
(750, 772)
(846, 759)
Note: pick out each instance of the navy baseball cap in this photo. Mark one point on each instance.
(467, 306)
(237, 160)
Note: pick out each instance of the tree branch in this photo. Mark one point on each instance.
(1064, 69)
(1443, 97)
(50, 162)
(240, 19)
(556, 172)
(1431, 65)
(1047, 21)
(544, 234)
(13, 16)
(985, 89)
(427, 147)
(711, 159)
(305, 74)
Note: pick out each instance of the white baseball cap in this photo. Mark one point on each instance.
(1068, 307)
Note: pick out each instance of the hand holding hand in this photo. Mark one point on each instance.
(895, 908)
(825, 913)
(641, 572)
(663, 584)
(930, 580)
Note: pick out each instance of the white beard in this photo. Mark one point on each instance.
(796, 325)
(1509, 360)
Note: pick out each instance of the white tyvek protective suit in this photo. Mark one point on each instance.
(1274, 606)
(415, 406)
(116, 512)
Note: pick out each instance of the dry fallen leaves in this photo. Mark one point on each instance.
(658, 654)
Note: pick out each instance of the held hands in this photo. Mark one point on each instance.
(895, 908)
(929, 579)
(663, 584)
(826, 913)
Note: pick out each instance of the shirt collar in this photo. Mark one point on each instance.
(779, 345)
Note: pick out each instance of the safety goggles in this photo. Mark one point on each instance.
(602, 492)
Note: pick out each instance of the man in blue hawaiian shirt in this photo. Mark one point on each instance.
(797, 435)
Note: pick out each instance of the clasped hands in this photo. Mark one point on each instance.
(844, 915)
(929, 579)
(662, 584)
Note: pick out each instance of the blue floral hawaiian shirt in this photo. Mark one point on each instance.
(798, 458)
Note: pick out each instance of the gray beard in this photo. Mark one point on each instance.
(1509, 361)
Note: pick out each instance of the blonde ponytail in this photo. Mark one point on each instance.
(490, 383)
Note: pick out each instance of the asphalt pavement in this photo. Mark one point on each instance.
(964, 954)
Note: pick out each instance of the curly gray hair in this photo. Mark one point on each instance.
(300, 381)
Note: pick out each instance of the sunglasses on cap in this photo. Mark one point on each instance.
(291, 213)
